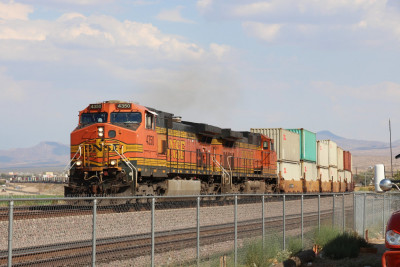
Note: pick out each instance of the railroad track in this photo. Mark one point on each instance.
(86, 208)
(129, 247)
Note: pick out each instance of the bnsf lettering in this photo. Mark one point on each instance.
(177, 149)
(99, 148)
(177, 144)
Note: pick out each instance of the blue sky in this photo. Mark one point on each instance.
(319, 65)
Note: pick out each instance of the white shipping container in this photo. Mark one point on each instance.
(322, 154)
(323, 174)
(333, 174)
(290, 170)
(309, 170)
(287, 143)
(348, 176)
(332, 148)
(341, 176)
(340, 160)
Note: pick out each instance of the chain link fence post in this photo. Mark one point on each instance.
(284, 222)
(364, 213)
(236, 237)
(198, 231)
(383, 216)
(354, 211)
(152, 230)
(343, 214)
(302, 221)
(10, 231)
(333, 210)
(263, 221)
(319, 212)
(94, 233)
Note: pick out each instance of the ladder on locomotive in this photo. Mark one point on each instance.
(224, 175)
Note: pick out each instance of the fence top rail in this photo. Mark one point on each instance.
(36, 198)
(377, 193)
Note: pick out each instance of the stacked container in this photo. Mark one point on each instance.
(288, 157)
(308, 159)
(323, 166)
(340, 166)
(347, 164)
(333, 163)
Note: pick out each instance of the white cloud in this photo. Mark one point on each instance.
(220, 50)
(173, 15)
(22, 30)
(14, 11)
(253, 9)
(296, 7)
(71, 2)
(204, 5)
(266, 32)
(77, 30)
(345, 23)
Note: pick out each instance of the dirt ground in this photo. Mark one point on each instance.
(363, 260)
(17, 189)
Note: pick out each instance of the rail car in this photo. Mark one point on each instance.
(122, 149)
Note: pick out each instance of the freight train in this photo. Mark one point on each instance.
(122, 149)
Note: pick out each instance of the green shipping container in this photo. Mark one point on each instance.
(308, 144)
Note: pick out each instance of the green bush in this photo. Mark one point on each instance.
(325, 235)
(345, 245)
(295, 246)
(257, 256)
(272, 252)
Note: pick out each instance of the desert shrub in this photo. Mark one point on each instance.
(262, 256)
(325, 235)
(295, 246)
(345, 245)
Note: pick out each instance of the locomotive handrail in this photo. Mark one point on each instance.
(223, 169)
(80, 154)
(129, 164)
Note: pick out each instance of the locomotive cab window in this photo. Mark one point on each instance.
(150, 122)
(126, 117)
(265, 145)
(90, 118)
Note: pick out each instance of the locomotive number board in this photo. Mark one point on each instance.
(95, 106)
(123, 106)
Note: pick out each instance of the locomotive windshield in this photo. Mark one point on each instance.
(90, 118)
(126, 117)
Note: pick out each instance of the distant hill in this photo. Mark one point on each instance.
(353, 144)
(45, 155)
(366, 153)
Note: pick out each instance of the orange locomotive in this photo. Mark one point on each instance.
(122, 148)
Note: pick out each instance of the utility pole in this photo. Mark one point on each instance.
(391, 155)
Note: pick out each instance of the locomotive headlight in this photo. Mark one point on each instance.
(392, 238)
(113, 162)
(78, 163)
(100, 131)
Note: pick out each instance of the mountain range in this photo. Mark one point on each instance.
(52, 156)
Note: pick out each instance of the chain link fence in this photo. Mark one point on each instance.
(372, 212)
(184, 231)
